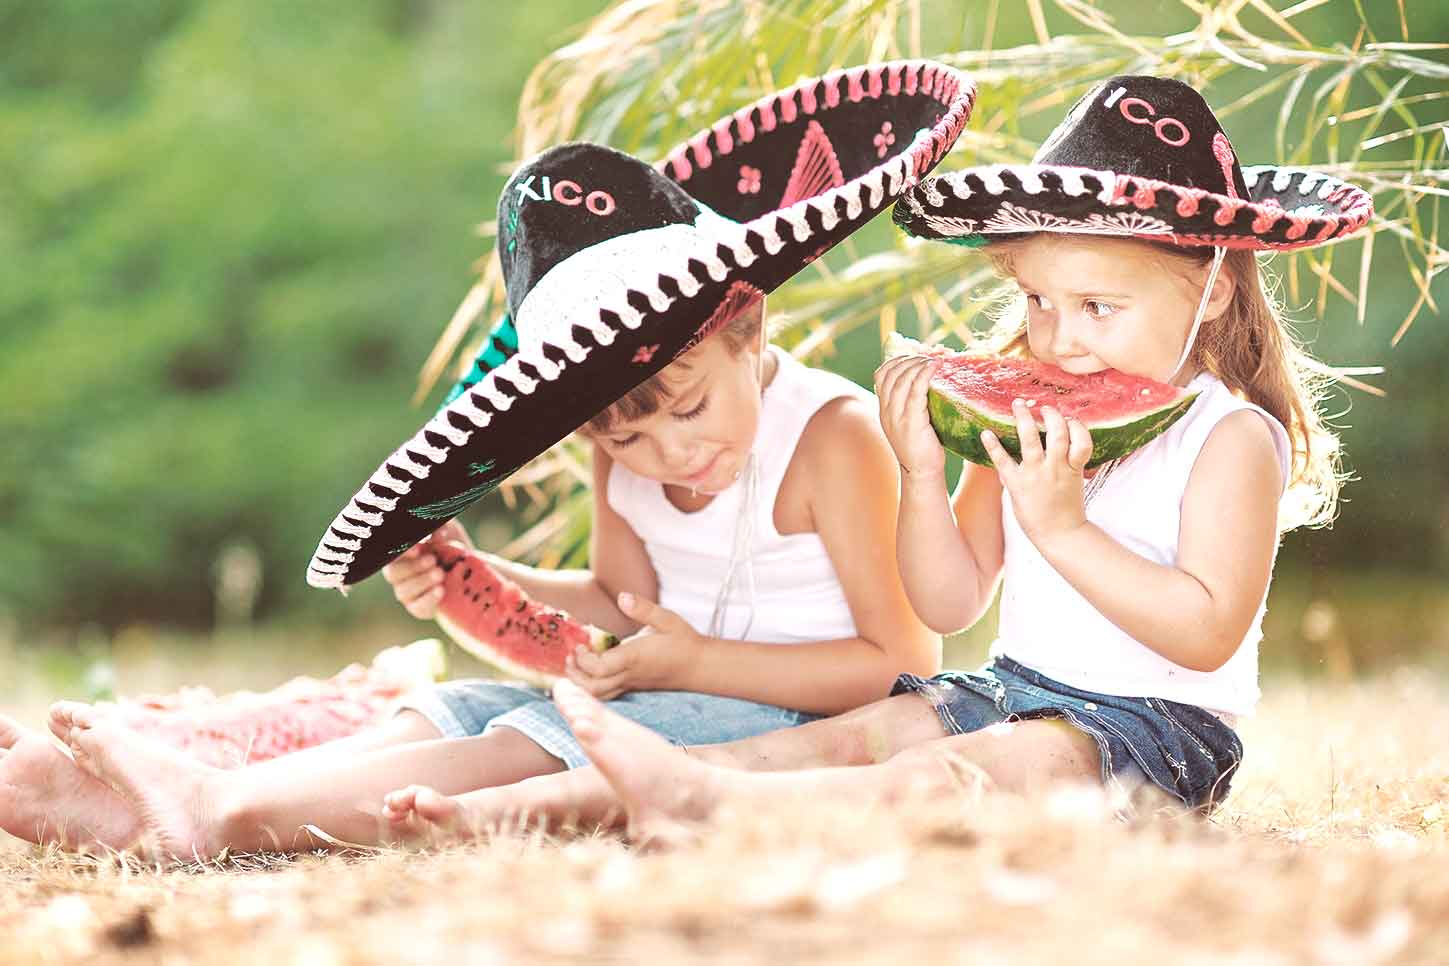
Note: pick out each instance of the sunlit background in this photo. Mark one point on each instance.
(230, 235)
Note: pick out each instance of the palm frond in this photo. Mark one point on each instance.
(646, 74)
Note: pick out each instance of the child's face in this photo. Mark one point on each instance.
(1098, 303)
(700, 436)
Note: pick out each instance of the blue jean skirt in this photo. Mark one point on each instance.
(1187, 752)
(462, 709)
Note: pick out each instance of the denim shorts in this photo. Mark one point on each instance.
(1187, 752)
(462, 709)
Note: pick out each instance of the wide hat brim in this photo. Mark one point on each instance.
(1286, 208)
(853, 141)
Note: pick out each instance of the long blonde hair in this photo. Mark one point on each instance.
(1252, 349)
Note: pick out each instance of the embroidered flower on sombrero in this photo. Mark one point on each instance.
(613, 267)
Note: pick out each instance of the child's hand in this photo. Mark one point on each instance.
(1046, 486)
(655, 659)
(416, 578)
(901, 385)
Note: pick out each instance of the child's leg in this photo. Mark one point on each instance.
(863, 736)
(190, 809)
(45, 798)
(661, 788)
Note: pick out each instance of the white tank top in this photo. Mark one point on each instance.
(1049, 627)
(798, 597)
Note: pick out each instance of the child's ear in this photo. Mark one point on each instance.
(1224, 288)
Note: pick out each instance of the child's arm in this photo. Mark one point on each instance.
(949, 553)
(1195, 613)
(620, 564)
(852, 504)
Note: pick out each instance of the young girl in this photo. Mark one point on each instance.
(1132, 598)
(743, 503)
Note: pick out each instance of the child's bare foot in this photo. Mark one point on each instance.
(417, 807)
(171, 793)
(662, 790)
(46, 799)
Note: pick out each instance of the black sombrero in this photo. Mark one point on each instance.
(614, 267)
(1145, 157)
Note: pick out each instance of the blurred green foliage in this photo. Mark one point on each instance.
(230, 233)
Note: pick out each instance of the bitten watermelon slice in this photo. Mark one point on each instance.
(246, 727)
(492, 618)
(971, 394)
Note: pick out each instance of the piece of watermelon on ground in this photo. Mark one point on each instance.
(492, 618)
(973, 393)
(246, 727)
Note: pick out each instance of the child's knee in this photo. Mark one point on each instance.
(937, 768)
(408, 726)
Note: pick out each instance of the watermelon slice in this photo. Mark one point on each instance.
(492, 618)
(974, 393)
(246, 727)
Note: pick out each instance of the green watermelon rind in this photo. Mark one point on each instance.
(959, 424)
(959, 427)
(599, 640)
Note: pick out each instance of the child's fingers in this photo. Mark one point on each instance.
(651, 614)
(425, 608)
(451, 532)
(899, 394)
(418, 585)
(1057, 440)
(601, 688)
(1079, 450)
(1026, 431)
(1000, 458)
(408, 565)
(920, 383)
(596, 665)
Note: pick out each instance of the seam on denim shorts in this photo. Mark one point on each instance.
(562, 745)
(1104, 752)
(1166, 712)
(437, 712)
(1224, 774)
(928, 692)
(1139, 758)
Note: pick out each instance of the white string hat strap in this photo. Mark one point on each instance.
(1219, 252)
(742, 548)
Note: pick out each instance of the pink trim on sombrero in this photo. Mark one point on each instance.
(1125, 189)
(944, 86)
(863, 196)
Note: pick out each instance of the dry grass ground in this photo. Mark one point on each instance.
(1332, 849)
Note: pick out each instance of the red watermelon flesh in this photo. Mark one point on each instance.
(492, 618)
(972, 393)
(246, 727)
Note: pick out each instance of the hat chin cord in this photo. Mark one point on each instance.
(1219, 252)
(742, 549)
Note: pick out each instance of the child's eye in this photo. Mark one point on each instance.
(696, 412)
(627, 441)
(1038, 301)
(1098, 309)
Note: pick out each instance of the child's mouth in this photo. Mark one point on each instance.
(694, 479)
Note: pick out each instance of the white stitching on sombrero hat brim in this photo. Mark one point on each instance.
(947, 85)
(1355, 204)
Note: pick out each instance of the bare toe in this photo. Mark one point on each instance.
(434, 807)
(10, 733)
(398, 806)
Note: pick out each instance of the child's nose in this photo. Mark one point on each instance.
(1064, 340)
(674, 451)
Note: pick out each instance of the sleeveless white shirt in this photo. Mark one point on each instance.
(798, 597)
(1049, 627)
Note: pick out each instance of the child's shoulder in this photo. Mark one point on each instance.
(844, 436)
(1242, 443)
